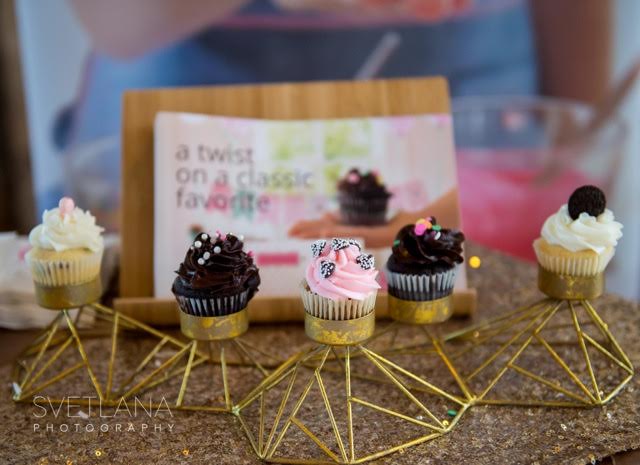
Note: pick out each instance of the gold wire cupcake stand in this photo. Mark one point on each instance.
(280, 417)
(586, 356)
(329, 370)
(66, 337)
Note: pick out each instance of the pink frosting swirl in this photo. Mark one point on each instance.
(340, 271)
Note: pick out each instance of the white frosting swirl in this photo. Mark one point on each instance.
(73, 230)
(585, 233)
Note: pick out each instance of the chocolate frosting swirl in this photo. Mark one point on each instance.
(217, 265)
(365, 185)
(423, 253)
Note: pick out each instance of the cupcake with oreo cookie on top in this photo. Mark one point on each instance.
(216, 278)
(363, 198)
(580, 238)
(424, 261)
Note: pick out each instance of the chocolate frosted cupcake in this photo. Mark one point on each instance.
(363, 198)
(217, 277)
(424, 260)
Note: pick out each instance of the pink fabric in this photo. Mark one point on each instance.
(348, 280)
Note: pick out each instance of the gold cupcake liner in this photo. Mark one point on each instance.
(567, 287)
(214, 328)
(64, 272)
(340, 332)
(573, 265)
(420, 312)
(328, 309)
(70, 296)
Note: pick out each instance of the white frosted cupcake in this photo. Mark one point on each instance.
(580, 238)
(66, 248)
(340, 281)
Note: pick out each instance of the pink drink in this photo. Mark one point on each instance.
(502, 207)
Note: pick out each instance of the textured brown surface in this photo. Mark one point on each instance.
(485, 435)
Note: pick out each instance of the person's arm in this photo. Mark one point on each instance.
(128, 28)
(574, 44)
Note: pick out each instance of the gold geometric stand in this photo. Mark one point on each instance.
(150, 373)
(327, 404)
(213, 350)
(556, 352)
(60, 353)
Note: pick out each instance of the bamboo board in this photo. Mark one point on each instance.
(315, 100)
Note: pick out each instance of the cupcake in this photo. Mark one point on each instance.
(216, 278)
(424, 260)
(363, 198)
(66, 248)
(580, 238)
(340, 281)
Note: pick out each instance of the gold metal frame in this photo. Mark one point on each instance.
(269, 438)
(64, 330)
(565, 294)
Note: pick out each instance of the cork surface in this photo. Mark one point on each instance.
(484, 435)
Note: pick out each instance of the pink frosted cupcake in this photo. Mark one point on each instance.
(340, 281)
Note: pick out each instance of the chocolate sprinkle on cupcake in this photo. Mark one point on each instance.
(327, 268)
(317, 247)
(366, 261)
(339, 244)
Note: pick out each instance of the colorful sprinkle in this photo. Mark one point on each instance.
(327, 268)
(353, 178)
(437, 236)
(339, 244)
(396, 242)
(452, 413)
(317, 247)
(419, 229)
(436, 227)
(366, 261)
(250, 253)
(223, 237)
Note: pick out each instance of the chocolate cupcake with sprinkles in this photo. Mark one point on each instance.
(217, 277)
(423, 264)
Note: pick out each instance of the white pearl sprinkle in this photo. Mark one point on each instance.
(201, 261)
(206, 255)
(438, 235)
(217, 249)
(241, 237)
(197, 244)
(204, 237)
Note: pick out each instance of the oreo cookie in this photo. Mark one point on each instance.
(589, 199)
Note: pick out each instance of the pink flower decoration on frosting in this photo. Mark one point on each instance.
(66, 206)
(338, 275)
(353, 178)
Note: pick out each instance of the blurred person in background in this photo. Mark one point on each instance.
(483, 47)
